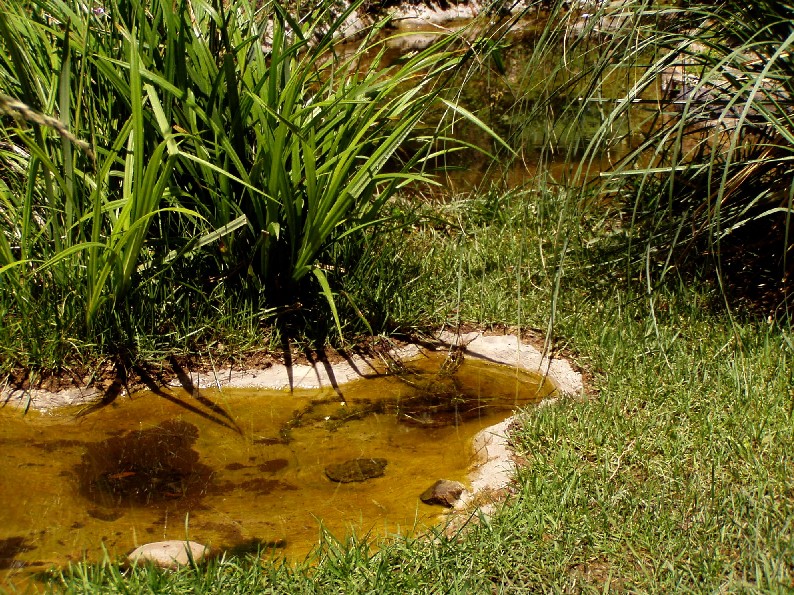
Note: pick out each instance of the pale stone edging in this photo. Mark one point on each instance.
(494, 468)
(501, 349)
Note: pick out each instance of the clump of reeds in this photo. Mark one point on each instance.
(233, 136)
(712, 174)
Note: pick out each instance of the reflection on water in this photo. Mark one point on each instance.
(249, 469)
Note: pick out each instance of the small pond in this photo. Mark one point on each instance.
(244, 469)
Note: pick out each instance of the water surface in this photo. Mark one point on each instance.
(243, 469)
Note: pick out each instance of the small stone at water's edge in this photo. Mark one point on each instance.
(169, 554)
(443, 492)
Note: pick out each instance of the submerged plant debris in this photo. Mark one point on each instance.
(144, 467)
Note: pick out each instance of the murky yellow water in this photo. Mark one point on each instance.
(243, 468)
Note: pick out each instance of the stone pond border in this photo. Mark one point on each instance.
(493, 465)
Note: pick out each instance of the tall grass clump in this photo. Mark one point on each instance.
(152, 150)
(710, 175)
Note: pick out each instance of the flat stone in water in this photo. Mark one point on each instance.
(356, 470)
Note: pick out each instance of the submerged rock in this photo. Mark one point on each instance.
(169, 554)
(356, 470)
(444, 492)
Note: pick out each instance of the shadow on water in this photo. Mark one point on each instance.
(187, 384)
(145, 468)
(216, 413)
(119, 385)
(10, 548)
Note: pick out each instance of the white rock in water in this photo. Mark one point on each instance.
(169, 554)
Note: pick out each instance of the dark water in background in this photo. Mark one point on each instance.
(510, 94)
